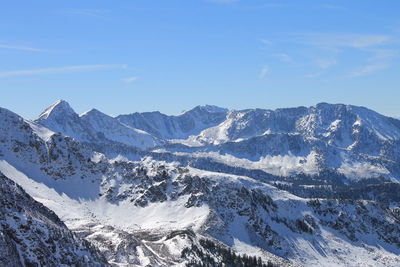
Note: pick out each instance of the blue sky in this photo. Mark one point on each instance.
(144, 55)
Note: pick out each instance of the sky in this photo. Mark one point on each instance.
(168, 55)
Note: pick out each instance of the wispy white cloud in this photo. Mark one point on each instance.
(283, 57)
(266, 42)
(329, 6)
(58, 70)
(325, 63)
(313, 75)
(152, 8)
(368, 69)
(378, 46)
(274, 6)
(98, 13)
(382, 54)
(357, 41)
(263, 72)
(223, 1)
(130, 79)
(381, 59)
(378, 51)
(22, 48)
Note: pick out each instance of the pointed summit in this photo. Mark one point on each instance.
(93, 113)
(61, 107)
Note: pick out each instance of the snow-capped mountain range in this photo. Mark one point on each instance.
(93, 126)
(313, 186)
(353, 141)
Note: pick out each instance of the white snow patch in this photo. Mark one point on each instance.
(165, 215)
(144, 261)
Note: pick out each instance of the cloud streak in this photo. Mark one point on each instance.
(263, 72)
(378, 46)
(328, 6)
(382, 54)
(313, 75)
(284, 57)
(60, 70)
(357, 41)
(97, 13)
(21, 48)
(130, 79)
(368, 70)
(326, 63)
(266, 42)
(223, 1)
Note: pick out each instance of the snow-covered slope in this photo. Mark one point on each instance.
(134, 218)
(93, 127)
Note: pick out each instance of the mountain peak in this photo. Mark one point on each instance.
(209, 109)
(323, 105)
(59, 107)
(93, 112)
